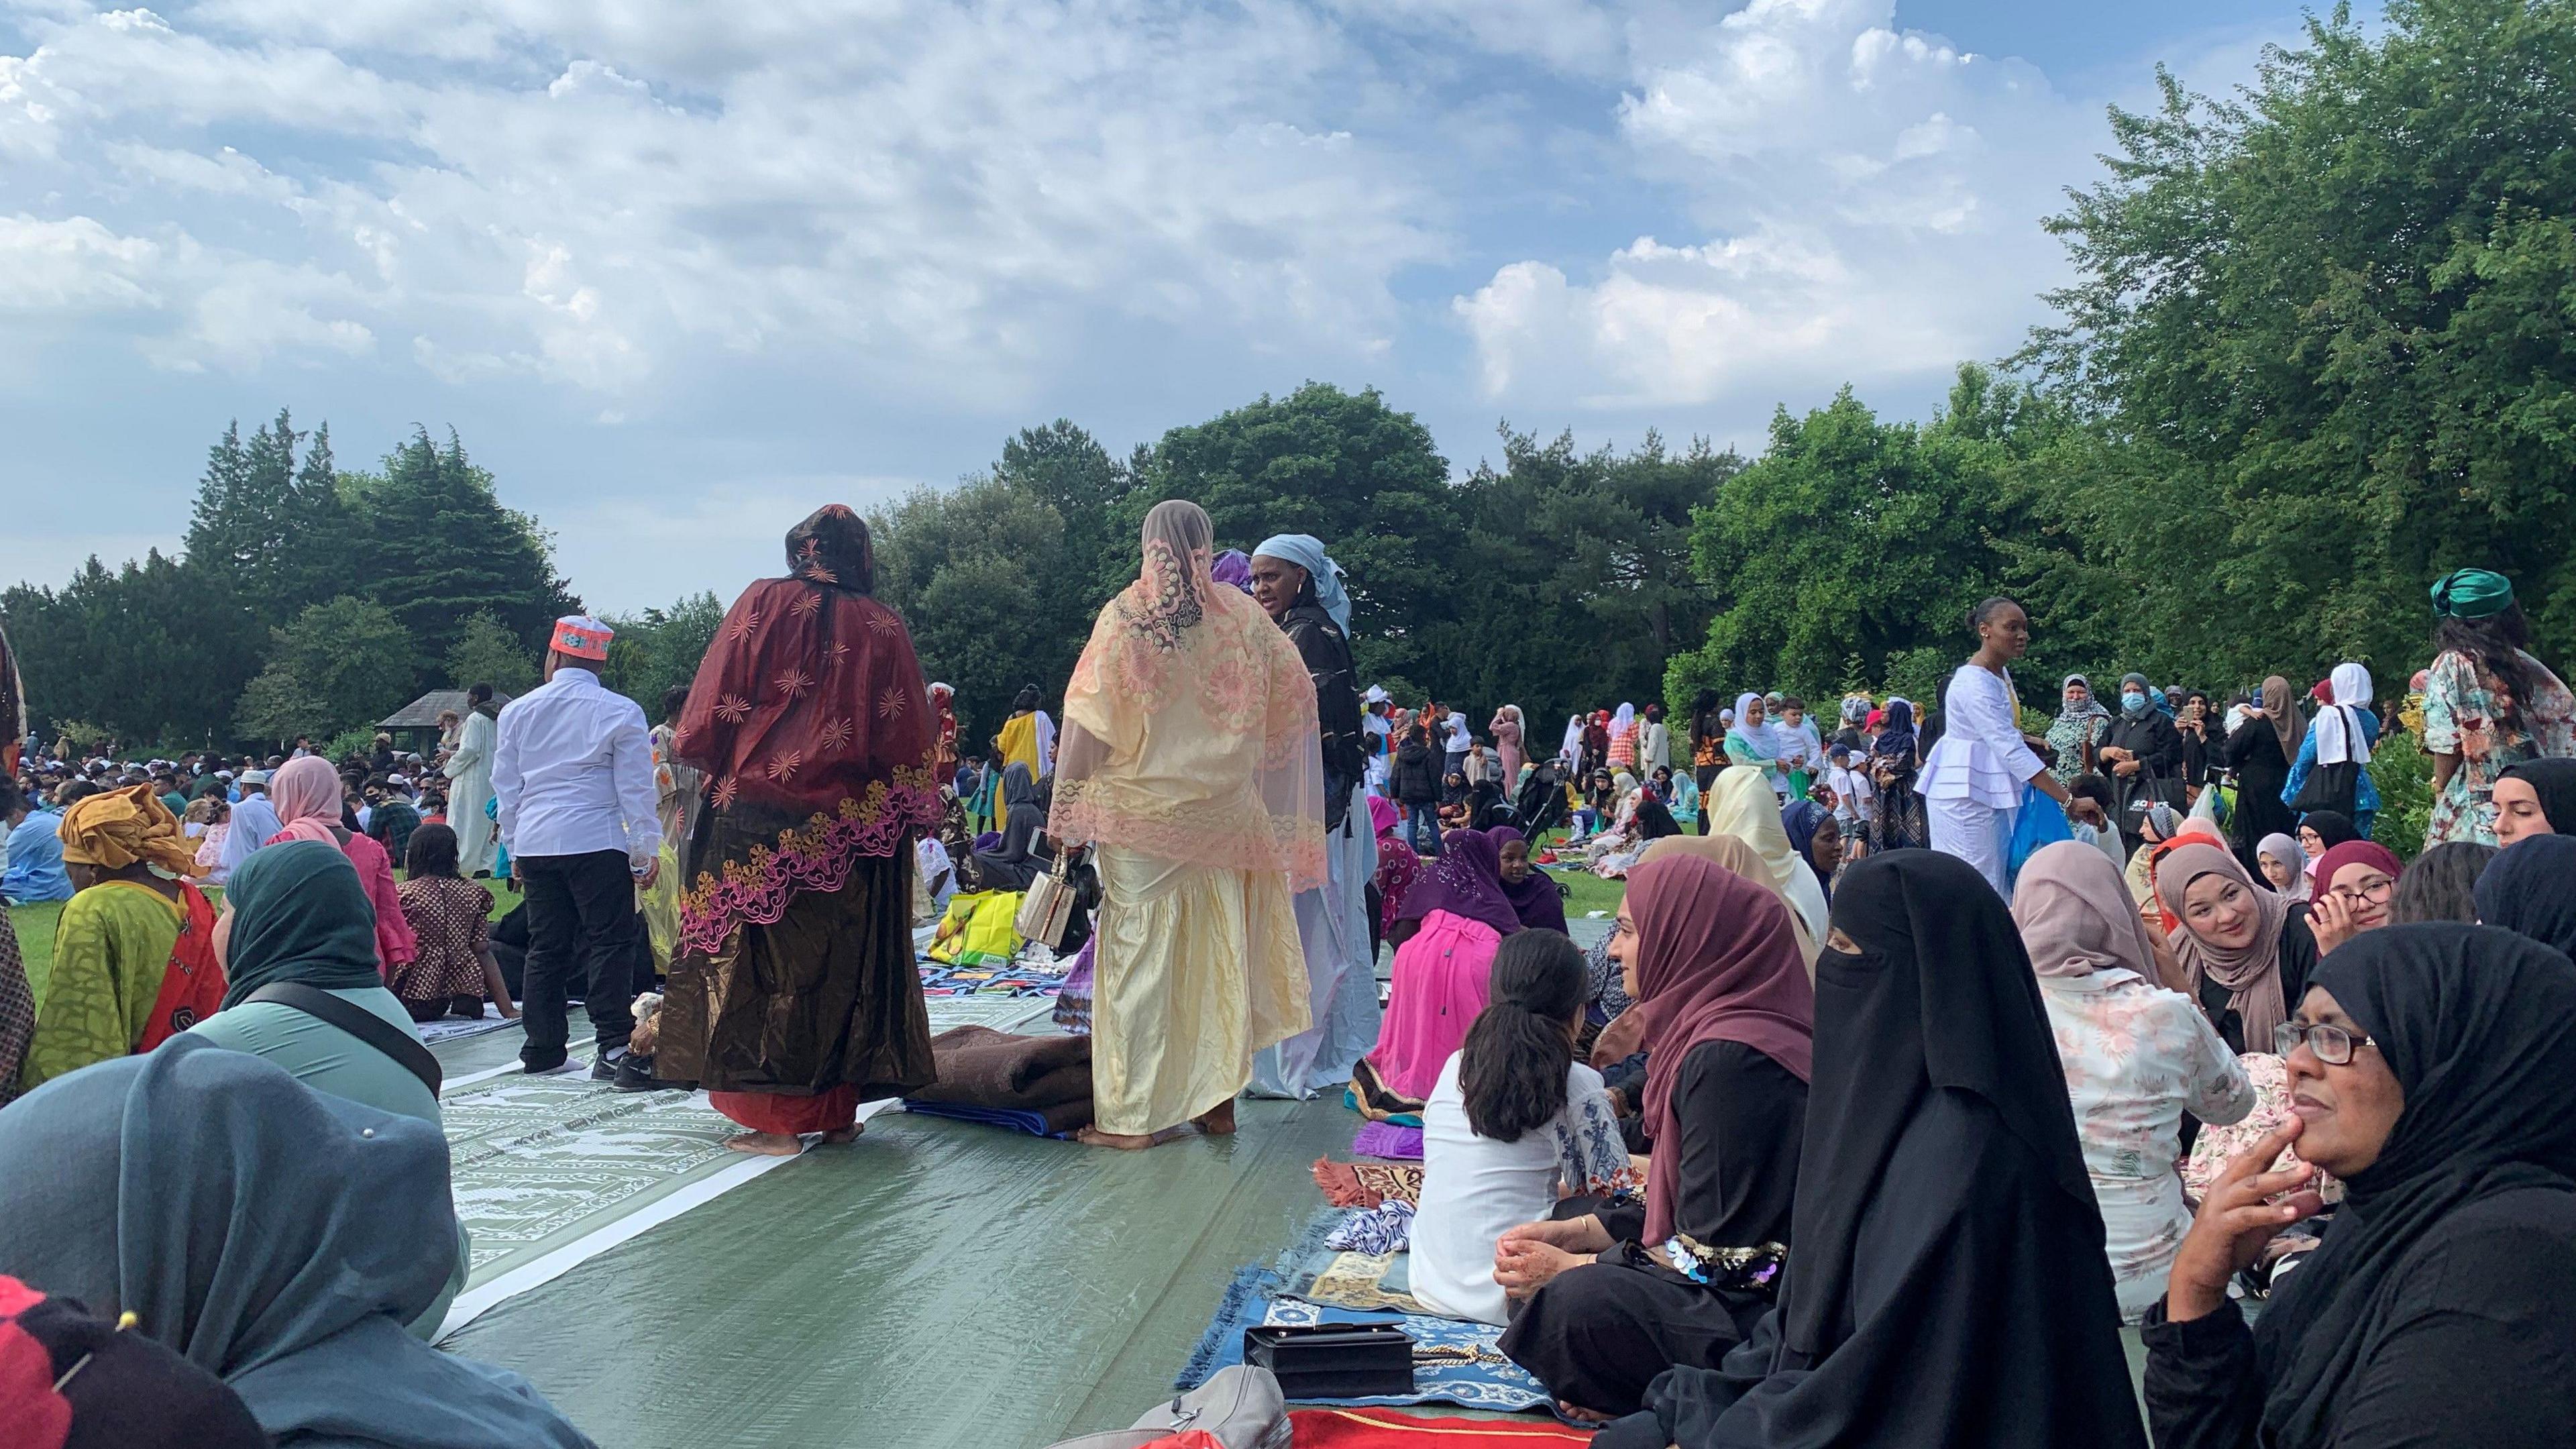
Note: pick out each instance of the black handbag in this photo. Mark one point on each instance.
(2153, 790)
(1333, 1360)
(2333, 787)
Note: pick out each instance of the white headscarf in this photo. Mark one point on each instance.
(1572, 749)
(2337, 744)
(1764, 743)
(1621, 718)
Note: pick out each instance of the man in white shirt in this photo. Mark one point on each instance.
(572, 768)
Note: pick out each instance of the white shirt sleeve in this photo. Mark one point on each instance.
(506, 779)
(631, 765)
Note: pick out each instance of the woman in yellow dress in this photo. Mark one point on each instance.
(1192, 759)
(1027, 738)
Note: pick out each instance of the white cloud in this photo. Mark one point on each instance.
(634, 250)
(945, 194)
(1872, 197)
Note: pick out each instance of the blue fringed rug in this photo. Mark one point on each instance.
(1454, 1362)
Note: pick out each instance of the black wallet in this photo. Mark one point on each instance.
(1333, 1360)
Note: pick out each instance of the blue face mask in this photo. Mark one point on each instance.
(2133, 701)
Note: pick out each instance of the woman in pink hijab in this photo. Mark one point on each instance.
(307, 796)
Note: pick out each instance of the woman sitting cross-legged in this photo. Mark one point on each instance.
(1514, 1116)
(453, 970)
(1616, 1296)
(1946, 1283)
(2428, 1064)
(1445, 936)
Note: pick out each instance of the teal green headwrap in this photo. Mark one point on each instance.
(299, 914)
(2472, 594)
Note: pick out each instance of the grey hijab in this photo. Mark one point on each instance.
(275, 1236)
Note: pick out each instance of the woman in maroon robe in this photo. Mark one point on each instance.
(793, 996)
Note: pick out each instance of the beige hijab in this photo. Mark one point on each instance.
(1734, 855)
(2252, 972)
(2077, 917)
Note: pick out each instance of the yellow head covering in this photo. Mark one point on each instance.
(118, 828)
(1741, 858)
(1741, 804)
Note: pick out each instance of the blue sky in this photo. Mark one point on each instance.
(677, 273)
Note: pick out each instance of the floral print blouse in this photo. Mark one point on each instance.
(2464, 717)
(2136, 1058)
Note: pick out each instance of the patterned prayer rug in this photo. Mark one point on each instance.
(1366, 1184)
(449, 1028)
(1453, 1362)
(541, 1161)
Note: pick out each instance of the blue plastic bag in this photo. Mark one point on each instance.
(2040, 821)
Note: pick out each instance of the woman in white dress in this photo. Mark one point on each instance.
(469, 774)
(1971, 783)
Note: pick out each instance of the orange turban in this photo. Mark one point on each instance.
(115, 829)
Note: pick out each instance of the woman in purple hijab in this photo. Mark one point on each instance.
(1234, 567)
(1535, 896)
(1454, 917)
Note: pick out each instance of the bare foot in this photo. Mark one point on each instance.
(1583, 1416)
(1124, 1142)
(842, 1136)
(767, 1144)
(509, 1013)
(1217, 1121)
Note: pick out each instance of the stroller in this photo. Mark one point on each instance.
(1541, 806)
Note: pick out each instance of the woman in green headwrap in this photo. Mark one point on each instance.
(2488, 705)
(296, 912)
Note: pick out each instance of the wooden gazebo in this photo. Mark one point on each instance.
(415, 725)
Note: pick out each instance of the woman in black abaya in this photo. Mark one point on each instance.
(1946, 1283)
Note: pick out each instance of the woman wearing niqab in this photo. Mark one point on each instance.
(1946, 1283)
(1191, 756)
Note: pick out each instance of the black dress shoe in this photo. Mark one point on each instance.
(635, 1074)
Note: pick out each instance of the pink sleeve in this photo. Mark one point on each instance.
(395, 943)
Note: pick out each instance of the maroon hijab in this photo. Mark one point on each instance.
(1717, 961)
(811, 721)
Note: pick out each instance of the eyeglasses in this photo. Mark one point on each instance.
(2332, 1044)
(2371, 893)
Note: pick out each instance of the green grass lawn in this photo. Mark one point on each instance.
(1584, 891)
(35, 927)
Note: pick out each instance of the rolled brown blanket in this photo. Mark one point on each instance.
(981, 1067)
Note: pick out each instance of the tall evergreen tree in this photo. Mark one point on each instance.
(441, 548)
(219, 535)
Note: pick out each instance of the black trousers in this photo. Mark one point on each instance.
(581, 928)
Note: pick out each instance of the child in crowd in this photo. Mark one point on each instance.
(1513, 1118)
(1802, 749)
(1853, 797)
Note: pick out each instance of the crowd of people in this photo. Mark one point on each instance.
(1923, 1052)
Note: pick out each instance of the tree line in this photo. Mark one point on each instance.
(2319, 349)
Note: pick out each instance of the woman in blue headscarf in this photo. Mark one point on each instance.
(275, 1236)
